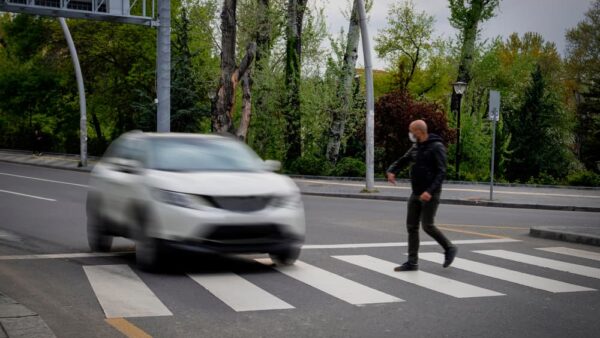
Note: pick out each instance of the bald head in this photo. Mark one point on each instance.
(419, 129)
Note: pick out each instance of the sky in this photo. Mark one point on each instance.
(550, 18)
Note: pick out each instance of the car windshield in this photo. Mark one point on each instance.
(196, 154)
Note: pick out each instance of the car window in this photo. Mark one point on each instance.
(196, 154)
(129, 149)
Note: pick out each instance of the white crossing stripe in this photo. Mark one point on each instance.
(574, 252)
(67, 255)
(239, 293)
(424, 279)
(122, 293)
(544, 262)
(335, 285)
(533, 281)
(401, 244)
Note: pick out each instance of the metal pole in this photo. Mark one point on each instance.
(163, 67)
(370, 99)
(493, 157)
(457, 157)
(82, 109)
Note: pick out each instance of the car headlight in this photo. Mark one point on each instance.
(287, 201)
(181, 199)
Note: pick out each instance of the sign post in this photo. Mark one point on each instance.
(494, 116)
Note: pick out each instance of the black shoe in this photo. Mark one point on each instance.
(407, 267)
(449, 256)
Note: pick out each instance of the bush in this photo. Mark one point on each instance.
(584, 178)
(310, 165)
(349, 167)
(543, 179)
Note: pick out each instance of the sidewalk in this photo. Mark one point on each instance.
(18, 321)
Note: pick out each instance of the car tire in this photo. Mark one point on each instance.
(97, 234)
(285, 257)
(149, 251)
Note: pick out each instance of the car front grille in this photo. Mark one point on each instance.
(241, 204)
(245, 233)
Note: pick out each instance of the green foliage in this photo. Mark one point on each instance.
(349, 167)
(586, 178)
(538, 134)
(310, 165)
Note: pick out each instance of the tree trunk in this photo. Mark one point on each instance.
(339, 115)
(242, 131)
(293, 65)
(223, 102)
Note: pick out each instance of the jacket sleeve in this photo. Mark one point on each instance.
(402, 161)
(439, 162)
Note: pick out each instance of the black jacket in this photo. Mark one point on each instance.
(429, 165)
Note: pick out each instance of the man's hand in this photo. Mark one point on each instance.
(425, 197)
(391, 178)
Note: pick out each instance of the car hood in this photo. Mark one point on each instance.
(223, 183)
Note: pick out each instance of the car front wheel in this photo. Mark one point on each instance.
(285, 257)
(98, 239)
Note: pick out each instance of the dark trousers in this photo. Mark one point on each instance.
(424, 213)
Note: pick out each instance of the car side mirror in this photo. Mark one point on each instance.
(272, 165)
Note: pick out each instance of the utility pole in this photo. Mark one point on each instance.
(362, 15)
(163, 67)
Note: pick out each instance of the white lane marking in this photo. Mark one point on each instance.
(400, 244)
(67, 255)
(335, 285)
(532, 281)
(423, 279)
(574, 252)
(31, 196)
(122, 293)
(239, 293)
(544, 262)
(46, 180)
(454, 189)
(304, 247)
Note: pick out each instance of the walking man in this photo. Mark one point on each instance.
(428, 158)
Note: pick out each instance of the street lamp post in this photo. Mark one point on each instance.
(459, 90)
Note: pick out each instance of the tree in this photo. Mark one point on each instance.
(583, 55)
(339, 114)
(293, 75)
(185, 113)
(466, 15)
(406, 42)
(393, 114)
(538, 135)
(223, 104)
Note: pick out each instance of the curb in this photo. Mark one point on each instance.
(565, 236)
(53, 166)
(461, 202)
(18, 321)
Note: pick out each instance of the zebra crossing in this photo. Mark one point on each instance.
(122, 293)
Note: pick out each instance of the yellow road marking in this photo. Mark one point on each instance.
(127, 328)
(484, 226)
(472, 233)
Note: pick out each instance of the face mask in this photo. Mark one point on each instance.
(412, 137)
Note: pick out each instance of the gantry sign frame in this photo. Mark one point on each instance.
(103, 10)
(118, 11)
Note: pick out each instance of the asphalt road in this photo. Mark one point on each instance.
(335, 293)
